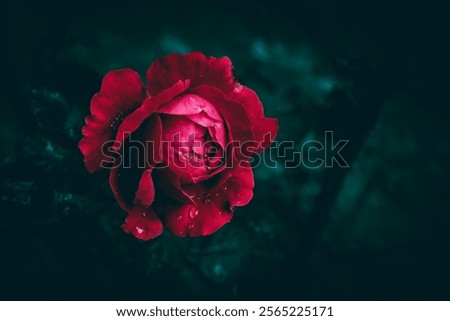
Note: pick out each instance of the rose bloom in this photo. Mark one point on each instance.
(178, 148)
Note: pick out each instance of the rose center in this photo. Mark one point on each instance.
(193, 138)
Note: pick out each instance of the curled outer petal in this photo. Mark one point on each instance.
(201, 70)
(122, 91)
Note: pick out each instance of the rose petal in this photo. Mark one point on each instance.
(114, 184)
(235, 184)
(169, 182)
(233, 113)
(239, 185)
(265, 129)
(121, 92)
(152, 138)
(218, 133)
(187, 172)
(130, 178)
(187, 220)
(134, 120)
(215, 128)
(145, 194)
(143, 223)
(202, 119)
(189, 104)
(238, 124)
(179, 131)
(214, 205)
(167, 70)
(130, 189)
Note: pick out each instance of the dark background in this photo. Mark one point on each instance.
(374, 73)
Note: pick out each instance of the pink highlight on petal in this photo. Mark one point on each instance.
(150, 105)
(190, 104)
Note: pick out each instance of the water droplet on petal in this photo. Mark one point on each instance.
(225, 188)
(143, 213)
(190, 226)
(207, 199)
(139, 230)
(193, 212)
(179, 218)
(238, 88)
(228, 207)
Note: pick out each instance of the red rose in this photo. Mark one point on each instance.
(178, 147)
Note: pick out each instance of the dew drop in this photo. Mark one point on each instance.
(190, 226)
(179, 218)
(238, 88)
(228, 207)
(139, 230)
(225, 188)
(114, 123)
(207, 199)
(193, 212)
(143, 213)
